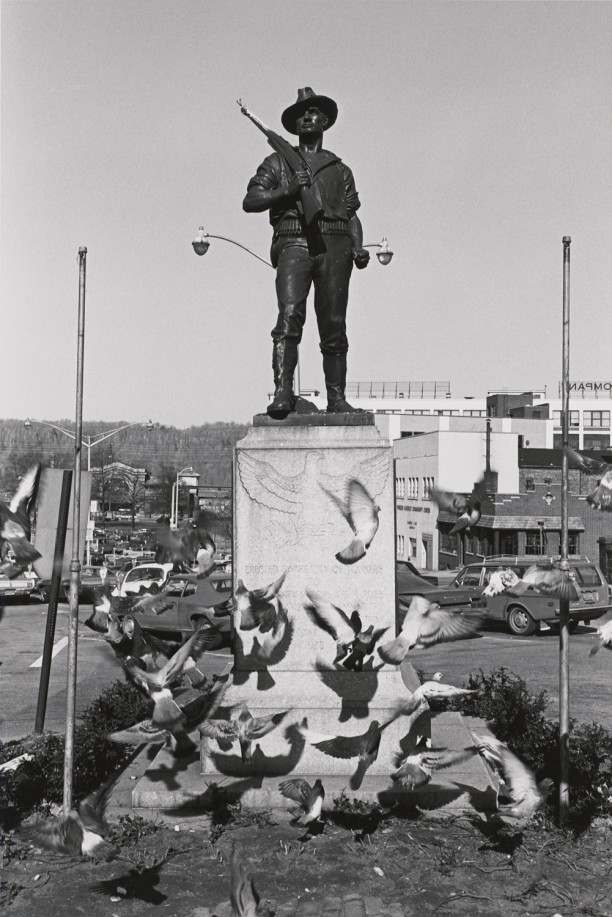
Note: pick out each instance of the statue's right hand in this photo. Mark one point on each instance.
(298, 180)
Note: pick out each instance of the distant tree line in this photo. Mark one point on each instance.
(162, 451)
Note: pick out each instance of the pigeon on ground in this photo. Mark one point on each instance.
(546, 579)
(604, 634)
(526, 795)
(82, 833)
(257, 607)
(425, 624)
(466, 506)
(242, 727)
(349, 633)
(361, 513)
(601, 497)
(15, 528)
(309, 798)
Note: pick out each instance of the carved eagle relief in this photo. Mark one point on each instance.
(297, 501)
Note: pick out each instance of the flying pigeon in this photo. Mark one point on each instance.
(242, 727)
(276, 642)
(601, 497)
(416, 769)
(100, 615)
(425, 624)
(15, 527)
(182, 661)
(257, 607)
(546, 579)
(349, 633)
(168, 717)
(604, 633)
(82, 833)
(309, 798)
(364, 746)
(500, 581)
(466, 506)
(526, 795)
(361, 513)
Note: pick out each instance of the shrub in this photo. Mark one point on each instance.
(516, 716)
(95, 758)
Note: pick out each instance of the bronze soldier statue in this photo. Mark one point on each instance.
(321, 252)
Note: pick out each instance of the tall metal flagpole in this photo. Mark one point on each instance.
(564, 602)
(75, 563)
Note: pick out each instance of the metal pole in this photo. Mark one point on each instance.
(56, 579)
(564, 602)
(75, 564)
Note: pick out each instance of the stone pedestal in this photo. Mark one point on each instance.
(285, 521)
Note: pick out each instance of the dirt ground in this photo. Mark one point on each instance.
(375, 864)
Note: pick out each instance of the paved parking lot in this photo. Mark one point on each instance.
(535, 658)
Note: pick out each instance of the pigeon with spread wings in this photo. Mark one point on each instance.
(257, 607)
(361, 513)
(601, 497)
(604, 637)
(416, 769)
(15, 528)
(526, 794)
(309, 798)
(349, 633)
(81, 833)
(466, 506)
(242, 727)
(546, 579)
(425, 624)
(364, 746)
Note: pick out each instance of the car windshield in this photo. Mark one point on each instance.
(145, 573)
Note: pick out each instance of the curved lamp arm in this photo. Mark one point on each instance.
(201, 245)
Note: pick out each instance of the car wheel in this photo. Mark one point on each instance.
(521, 623)
(129, 626)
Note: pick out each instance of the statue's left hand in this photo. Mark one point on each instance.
(361, 257)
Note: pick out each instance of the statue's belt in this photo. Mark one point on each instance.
(325, 227)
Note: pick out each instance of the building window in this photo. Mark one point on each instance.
(596, 441)
(400, 488)
(428, 484)
(474, 413)
(400, 545)
(508, 542)
(573, 440)
(574, 419)
(412, 546)
(534, 543)
(599, 419)
(573, 541)
(529, 485)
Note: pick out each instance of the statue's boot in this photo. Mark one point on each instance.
(334, 367)
(284, 361)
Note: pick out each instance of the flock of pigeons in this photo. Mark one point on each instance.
(172, 678)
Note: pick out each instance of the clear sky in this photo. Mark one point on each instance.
(479, 134)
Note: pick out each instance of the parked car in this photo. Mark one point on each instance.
(90, 580)
(410, 582)
(523, 614)
(144, 578)
(184, 604)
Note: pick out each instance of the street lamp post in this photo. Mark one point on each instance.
(175, 496)
(201, 245)
(88, 441)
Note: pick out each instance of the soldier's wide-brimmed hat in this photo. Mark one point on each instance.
(307, 97)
